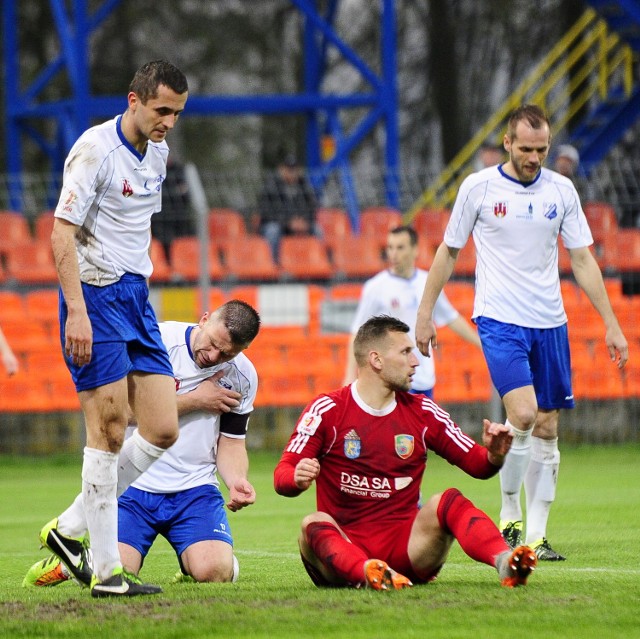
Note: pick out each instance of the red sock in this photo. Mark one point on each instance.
(477, 535)
(335, 552)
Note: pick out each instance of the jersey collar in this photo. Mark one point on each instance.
(505, 175)
(126, 142)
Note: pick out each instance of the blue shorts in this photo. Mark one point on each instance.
(126, 336)
(518, 356)
(182, 518)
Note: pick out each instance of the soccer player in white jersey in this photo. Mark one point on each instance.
(515, 212)
(111, 187)
(179, 496)
(396, 291)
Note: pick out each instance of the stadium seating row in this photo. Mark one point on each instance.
(295, 362)
(236, 255)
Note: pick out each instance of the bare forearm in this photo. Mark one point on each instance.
(439, 274)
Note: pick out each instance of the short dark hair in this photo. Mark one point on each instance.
(241, 320)
(151, 75)
(413, 236)
(373, 333)
(530, 113)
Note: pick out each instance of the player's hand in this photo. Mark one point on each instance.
(214, 398)
(497, 439)
(617, 346)
(78, 338)
(426, 336)
(241, 494)
(307, 470)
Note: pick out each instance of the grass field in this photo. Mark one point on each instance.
(596, 593)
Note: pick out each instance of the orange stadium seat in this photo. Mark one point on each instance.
(334, 224)
(247, 293)
(346, 291)
(32, 263)
(161, 268)
(226, 225)
(426, 253)
(431, 223)
(377, 221)
(15, 231)
(12, 307)
(44, 225)
(20, 393)
(185, 260)
(466, 263)
(304, 258)
(291, 389)
(249, 258)
(603, 223)
(42, 305)
(625, 257)
(359, 257)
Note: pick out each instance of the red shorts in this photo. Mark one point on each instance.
(390, 543)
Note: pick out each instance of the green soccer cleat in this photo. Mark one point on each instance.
(545, 552)
(74, 553)
(46, 572)
(122, 584)
(512, 533)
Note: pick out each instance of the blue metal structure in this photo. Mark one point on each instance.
(607, 122)
(74, 114)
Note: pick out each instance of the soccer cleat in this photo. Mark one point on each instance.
(545, 552)
(74, 553)
(518, 566)
(379, 576)
(512, 533)
(46, 572)
(122, 584)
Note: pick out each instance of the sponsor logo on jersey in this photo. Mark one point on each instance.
(68, 203)
(404, 446)
(402, 482)
(499, 209)
(376, 487)
(225, 383)
(308, 424)
(528, 215)
(154, 184)
(551, 211)
(352, 445)
(127, 191)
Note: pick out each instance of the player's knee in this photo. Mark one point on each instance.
(314, 518)
(523, 417)
(219, 571)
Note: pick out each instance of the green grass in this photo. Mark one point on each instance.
(595, 593)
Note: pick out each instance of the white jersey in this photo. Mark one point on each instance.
(389, 294)
(191, 461)
(515, 229)
(111, 192)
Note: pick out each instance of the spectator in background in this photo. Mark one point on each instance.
(287, 205)
(567, 161)
(489, 155)
(175, 218)
(9, 360)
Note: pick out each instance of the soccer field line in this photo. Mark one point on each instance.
(296, 557)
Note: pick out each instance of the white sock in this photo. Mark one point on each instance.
(512, 474)
(136, 455)
(540, 485)
(99, 481)
(73, 522)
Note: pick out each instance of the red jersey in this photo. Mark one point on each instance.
(372, 461)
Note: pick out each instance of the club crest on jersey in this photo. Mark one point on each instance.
(499, 209)
(352, 445)
(127, 191)
(551, 211)
(404, 446)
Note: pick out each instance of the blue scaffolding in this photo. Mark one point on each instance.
(322, 111)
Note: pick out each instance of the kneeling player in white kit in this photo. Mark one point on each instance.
(178, 497)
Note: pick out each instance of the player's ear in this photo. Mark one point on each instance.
(375, 360)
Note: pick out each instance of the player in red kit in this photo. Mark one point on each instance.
(365, 446)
